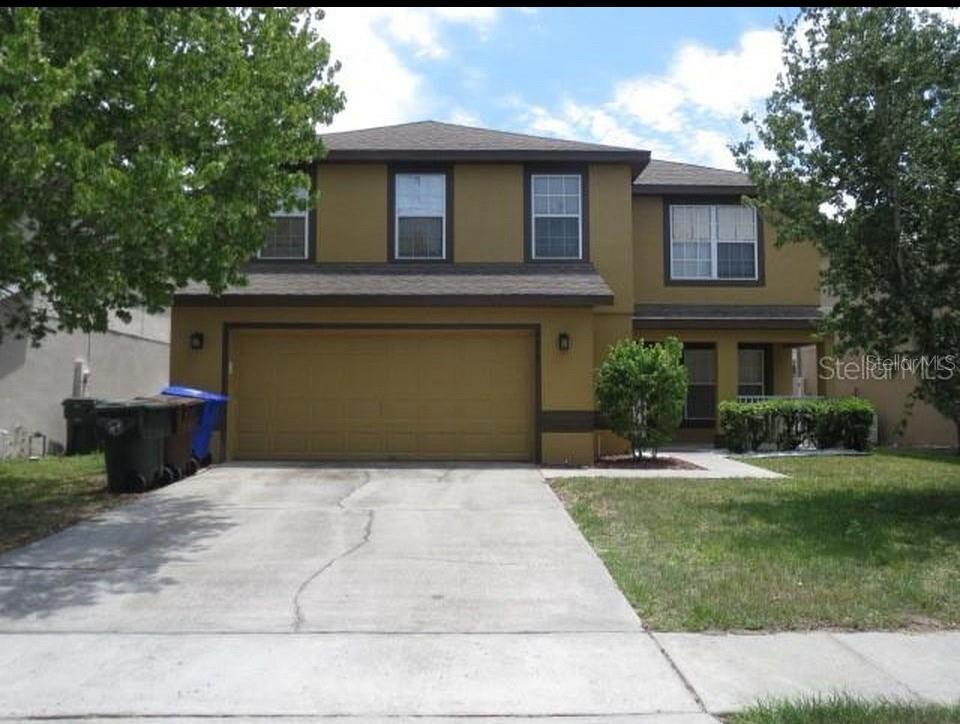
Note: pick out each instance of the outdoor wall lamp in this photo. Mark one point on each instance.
(196, 340)
(563, 341)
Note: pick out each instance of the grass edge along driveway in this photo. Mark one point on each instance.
(40, 497)
(845, 542)
(845, 710)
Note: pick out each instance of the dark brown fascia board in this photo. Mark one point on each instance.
(638, 160)
(725, 323)
(681, 189)
(391, 300)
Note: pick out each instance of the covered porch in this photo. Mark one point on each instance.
(738, 352)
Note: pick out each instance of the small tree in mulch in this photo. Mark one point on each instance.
(641, 388)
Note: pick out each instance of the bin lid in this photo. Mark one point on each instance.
(173, 400)
(140, 403)
(179, 391)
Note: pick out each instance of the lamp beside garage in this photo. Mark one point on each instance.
(196, 340)
(563, 341)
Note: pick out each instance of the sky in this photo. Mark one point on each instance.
(674, 81)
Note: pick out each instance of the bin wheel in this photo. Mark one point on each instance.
(165, 477)
(191, 467)
(175, 474)
(136, 483)
(206, 460)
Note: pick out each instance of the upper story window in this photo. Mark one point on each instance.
(420, 222)
(713, 242)
(288, 238)
(557, 216)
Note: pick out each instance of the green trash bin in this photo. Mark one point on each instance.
(80, 414)
(178, 457)
(132, 433)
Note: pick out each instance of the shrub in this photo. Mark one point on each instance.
(641, 389)
(788, 423)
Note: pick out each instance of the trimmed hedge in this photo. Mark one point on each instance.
(788, 423)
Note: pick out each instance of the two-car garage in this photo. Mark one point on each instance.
(383, 393)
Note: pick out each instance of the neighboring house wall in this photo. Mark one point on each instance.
(129, 360)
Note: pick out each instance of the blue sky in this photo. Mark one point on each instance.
(672, 80)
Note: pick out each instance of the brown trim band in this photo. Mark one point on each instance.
(637, 160)
(724, 323)
(391, 300)
(568, 420)
(662, 189)
(228, 327)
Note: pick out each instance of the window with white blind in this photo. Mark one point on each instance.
(701, 364)
(713, 242)
(557, 222)
(751, 363)
(288, 236)
(420, 221)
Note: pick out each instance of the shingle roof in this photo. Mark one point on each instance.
(450, 142)
(401, 284)
(658, 316)
(670, 176)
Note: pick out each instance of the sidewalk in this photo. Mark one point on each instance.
(715, 466)
(728, 672)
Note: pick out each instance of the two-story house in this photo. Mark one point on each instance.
(455, 288)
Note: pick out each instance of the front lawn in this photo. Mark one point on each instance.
(846, 711)
(852, 542)
(39, 497)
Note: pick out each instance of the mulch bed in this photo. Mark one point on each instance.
(661, 462)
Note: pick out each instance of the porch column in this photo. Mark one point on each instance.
(727, 369)
(825, 387)
(782, 369)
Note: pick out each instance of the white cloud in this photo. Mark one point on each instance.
(729, 82)
(463, 117)
(381, 88)
(654, 102)
(712, 146)
(690, 112)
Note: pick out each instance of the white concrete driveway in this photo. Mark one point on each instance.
(299, 591)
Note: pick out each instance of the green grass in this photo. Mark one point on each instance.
(39, 497)
(846, 711)
(849, 542)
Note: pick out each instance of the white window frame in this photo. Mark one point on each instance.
(763, 373)
(298, 214)
(714, 243)
(396, 218)
(534, 215)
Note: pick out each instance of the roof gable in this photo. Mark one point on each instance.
(672, 177)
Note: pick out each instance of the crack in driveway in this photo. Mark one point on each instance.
(298, 618)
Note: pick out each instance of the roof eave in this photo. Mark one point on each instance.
(693, 190)
(637, 160)
(392, 300)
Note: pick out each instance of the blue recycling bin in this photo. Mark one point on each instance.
(211, 417)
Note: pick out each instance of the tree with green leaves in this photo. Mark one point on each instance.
(861, 156)
(141, 148)
(641, 388)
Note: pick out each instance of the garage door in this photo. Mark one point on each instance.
(383, 394)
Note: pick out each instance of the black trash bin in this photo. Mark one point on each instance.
(178, 456)
(132, 433)
(79, 412)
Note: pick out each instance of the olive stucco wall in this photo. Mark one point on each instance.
(791, 271)
(566, 376)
